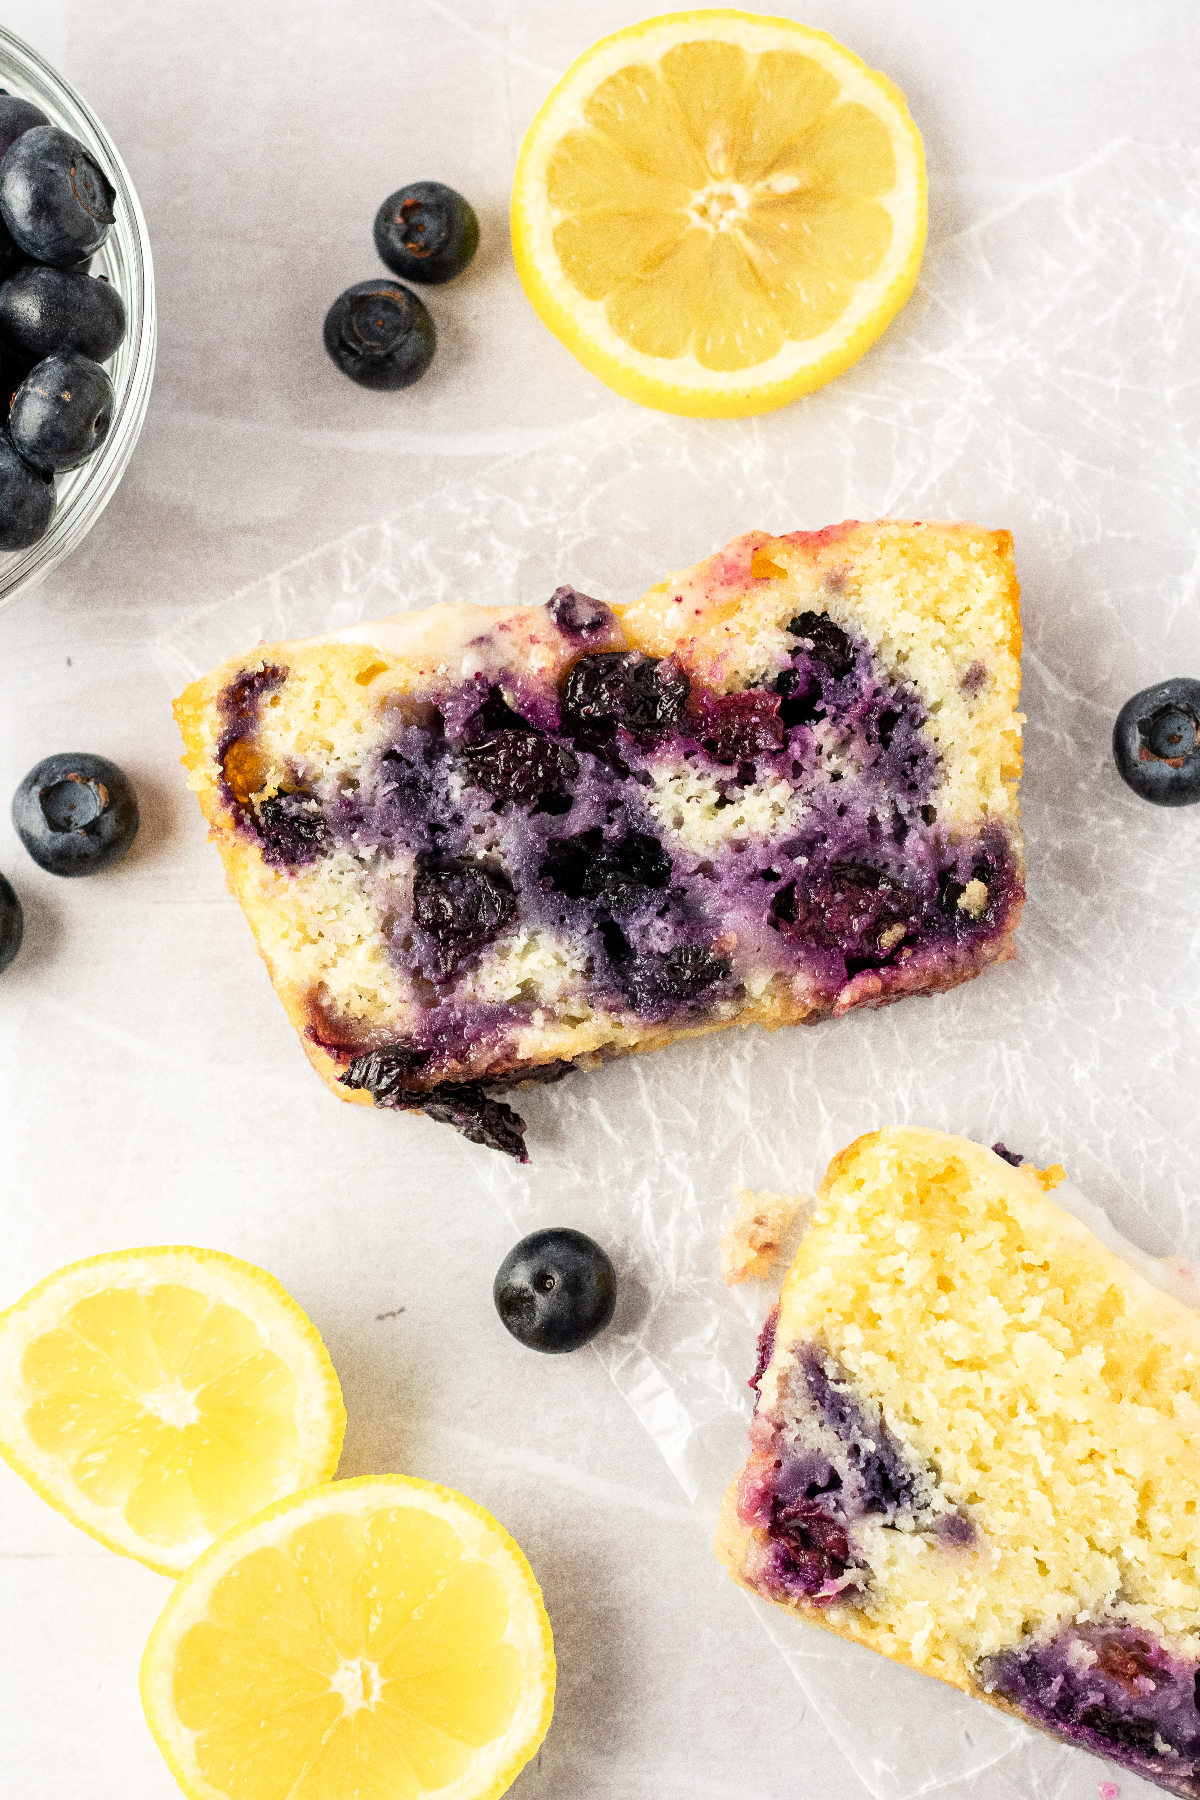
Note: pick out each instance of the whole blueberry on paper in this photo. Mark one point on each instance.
(426, 232)
(75, 814)
(12, 924)
(555, 1291)
(1156, 742)
(62, 412)
(380, 335)
(56, 200)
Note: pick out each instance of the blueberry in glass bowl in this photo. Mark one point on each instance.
(62, 412)
(1156, 743)
(36, 99)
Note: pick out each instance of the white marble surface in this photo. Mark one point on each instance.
(150, 1087)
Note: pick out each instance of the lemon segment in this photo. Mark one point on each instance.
(379, 1639)
(718, 211)
(158, 1396)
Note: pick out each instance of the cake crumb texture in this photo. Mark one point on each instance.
(1037, 1406)
(752, 1237)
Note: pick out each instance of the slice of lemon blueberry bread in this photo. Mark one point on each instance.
(480, 845)
(976, 1448)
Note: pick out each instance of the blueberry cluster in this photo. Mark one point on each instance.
(378, 332)
(58, 323)
(75, 814)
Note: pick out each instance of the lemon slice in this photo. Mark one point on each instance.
(156, 1397)
(370, 1640)
(717, 211)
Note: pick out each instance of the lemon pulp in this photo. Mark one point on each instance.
(156, 1412)
(717, 211)
(374, 1638)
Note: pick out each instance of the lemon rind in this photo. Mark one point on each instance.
(692, 390)
(321, 1413)
(182, 1611)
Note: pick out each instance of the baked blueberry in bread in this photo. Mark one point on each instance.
(479, 846)
(976, 1448)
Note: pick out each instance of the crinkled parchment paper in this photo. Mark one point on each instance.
(1045, 377)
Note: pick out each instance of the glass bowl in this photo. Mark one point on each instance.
(83, 493)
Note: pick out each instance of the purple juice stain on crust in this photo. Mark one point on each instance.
(1008, 1156)
(1114, 1690)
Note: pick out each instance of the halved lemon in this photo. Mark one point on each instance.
(717, 211)
(157, 1396)
(376, 1639)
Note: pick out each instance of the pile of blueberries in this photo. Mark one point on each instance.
(58, 323)
(378, 332)
(75, 814)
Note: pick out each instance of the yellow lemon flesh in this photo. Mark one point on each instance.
(717, 211)
(158, 1396)
(370, 1640)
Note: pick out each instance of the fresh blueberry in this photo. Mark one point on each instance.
(26, 499)
(1156, 742)
(17, 116)
(12, 924)
(43, 310)
(426, 232)
(56, 201)
(555, 1291)
(461, 905)
(75, 814)
(380, 335)
(12, 257)
(62, 412)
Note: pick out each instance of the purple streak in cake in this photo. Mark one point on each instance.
(824, 1460)
(511, 804)
(1114, 1690)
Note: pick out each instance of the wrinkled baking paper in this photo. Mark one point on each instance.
(1043, 378)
